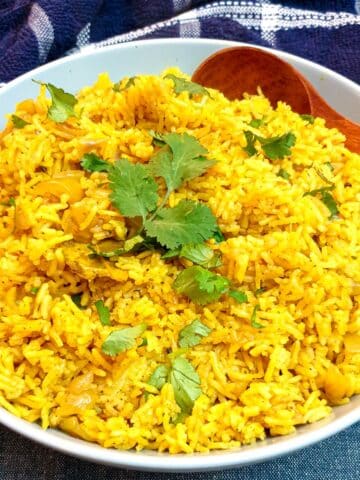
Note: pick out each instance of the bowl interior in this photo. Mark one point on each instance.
(74, 72)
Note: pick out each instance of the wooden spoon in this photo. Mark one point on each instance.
(237, 70)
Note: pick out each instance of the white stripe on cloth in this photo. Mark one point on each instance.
(43, 30)
(265, 17)
(83, 36)
(190, 28)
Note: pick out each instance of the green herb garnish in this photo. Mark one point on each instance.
(182, 85)
(184, 380)
(76, 298)
(327, 199)
(159, 377)
(283, 174)
(256, 122)
(121, 340)
(103, 312)
(308, 118)
(134, 191)
(218, 235)
(186, 384)
(259, 291)
(93, 163)
(180, 160)
(188, 221)
(253, 320)
(278, 147)
(201, 285)
(118, 88)
(34, 290)
(274, 148)
(62, 103)
(18, 121)
(10, 203)
(193, 333)
(239, 296)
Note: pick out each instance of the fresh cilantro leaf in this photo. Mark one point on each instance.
(330, 202)
(182, 85)
(9, 203)
(321, 190)
(253, 321)
(327, 199)
(118, 88)
(105, 254)
(201, 254)
(172, 253)
(283, 174)
(187, 222)
(278, 147)
(201, 285)
(240, 297)
(250, 143)
(274, 147)
(129, 245)
(308, 118)
(183, 161)
(93, 163)
(159, 376)
(256, 122)
(186, 384)
(18, 121)
(77, 300)
(157, 138)
(134, 191)
(218, 235)
(192, 334)
(103, 312)
(121, 340)
(62, 103)
(259, 291)
(34, 290)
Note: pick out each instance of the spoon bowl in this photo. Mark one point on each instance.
(238, 70)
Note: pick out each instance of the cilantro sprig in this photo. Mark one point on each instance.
(184, 380)
(327, 198)
(19, 122)
(198, 253)
(181, 159)
(203, 286)
(274, 147)
(182, 85)
(62, 103)
(134, 192)
(103, 312)
(193, 333)
(121, 340)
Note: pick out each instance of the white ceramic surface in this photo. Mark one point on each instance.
(74, 72)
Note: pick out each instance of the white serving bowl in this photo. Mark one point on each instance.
(152, 56)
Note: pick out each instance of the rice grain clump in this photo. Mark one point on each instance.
(107, 347)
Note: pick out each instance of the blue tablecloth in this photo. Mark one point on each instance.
(32, 33)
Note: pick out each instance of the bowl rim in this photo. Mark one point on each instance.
(153, 461)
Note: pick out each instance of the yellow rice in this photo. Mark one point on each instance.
(255, 382)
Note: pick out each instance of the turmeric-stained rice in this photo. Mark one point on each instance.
(297, 265)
